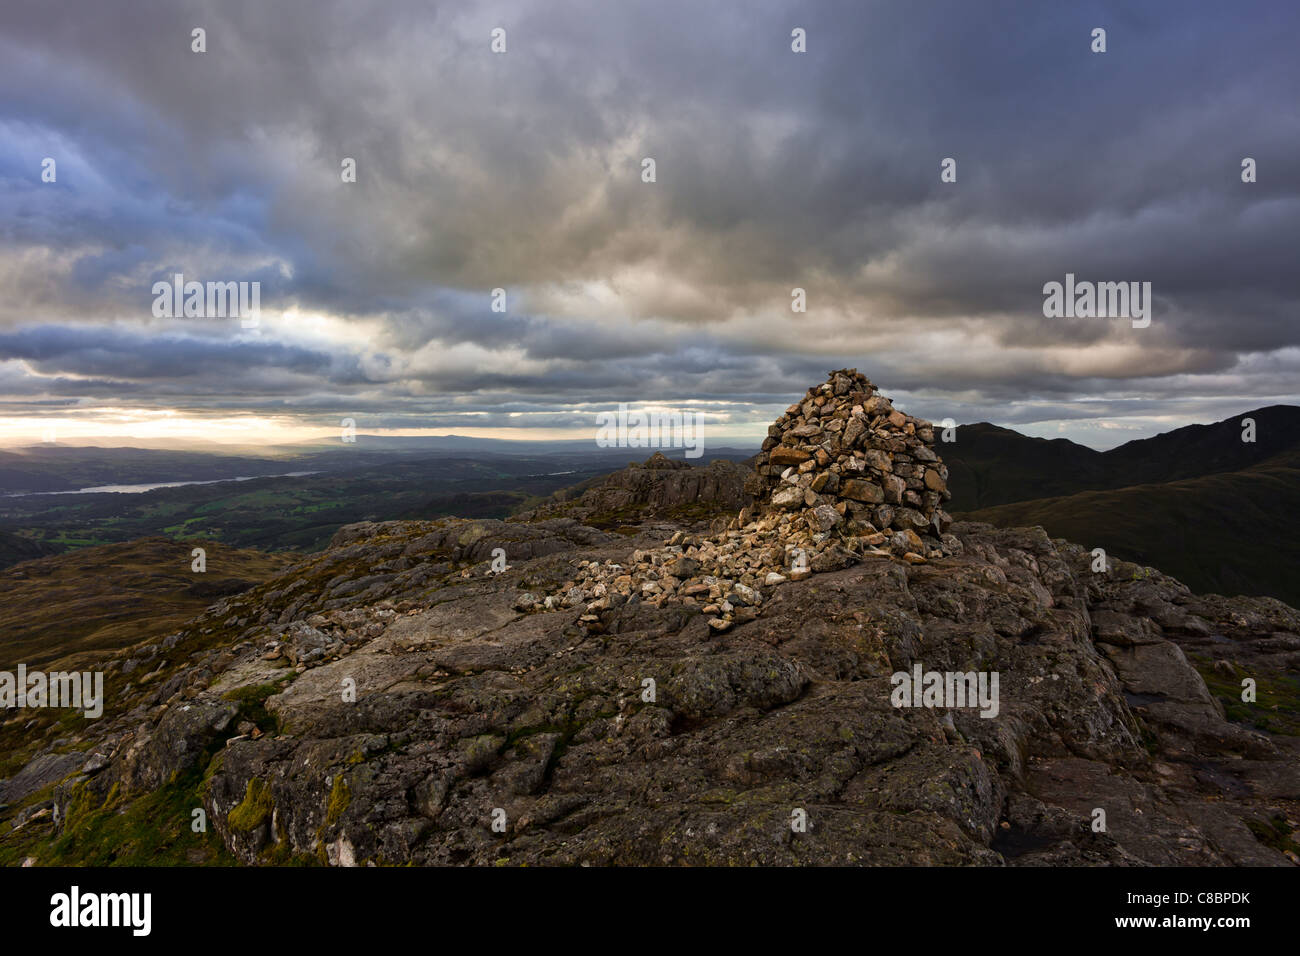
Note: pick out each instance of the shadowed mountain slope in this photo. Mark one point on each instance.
(1231, 533)
(658, 488)
(16, 548)
(993, 466)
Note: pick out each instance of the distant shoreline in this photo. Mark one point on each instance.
(140, 489)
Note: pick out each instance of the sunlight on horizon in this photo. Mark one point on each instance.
(122, 428)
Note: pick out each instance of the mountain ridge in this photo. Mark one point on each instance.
(995, 465)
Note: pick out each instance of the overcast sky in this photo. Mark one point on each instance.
(523, 170)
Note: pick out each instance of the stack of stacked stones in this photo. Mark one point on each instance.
(844, 459)
(842, 475)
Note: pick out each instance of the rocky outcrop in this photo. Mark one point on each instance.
(513, 693)
(636, 735)
(658, 488)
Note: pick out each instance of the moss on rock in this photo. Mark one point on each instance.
(255, 809)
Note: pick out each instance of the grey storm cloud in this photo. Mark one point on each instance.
(125, 358)
(775, 170)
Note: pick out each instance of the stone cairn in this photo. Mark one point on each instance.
(845, 458)
(841, 476)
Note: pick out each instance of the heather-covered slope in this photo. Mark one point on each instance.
(1230, 533)
(15, 549)
(115, 595)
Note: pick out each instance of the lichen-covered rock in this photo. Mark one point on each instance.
(639, 735)
(660, 487)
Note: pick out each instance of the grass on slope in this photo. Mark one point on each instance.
(116, 595)
(153, 829)
(1233, 533)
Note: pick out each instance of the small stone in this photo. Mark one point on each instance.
(878, 405)
(785, 455)
(826, 517)
(865, 491)
(894, 487)
(788, 498)
(682, 567)
(742, 595)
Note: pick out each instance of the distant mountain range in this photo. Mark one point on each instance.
(49, 468)
(46, 468)
(1218, 513)
(273, 512)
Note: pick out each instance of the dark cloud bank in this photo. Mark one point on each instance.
(774, 170)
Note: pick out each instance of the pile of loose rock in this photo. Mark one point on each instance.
(842, 474)
(845, 458)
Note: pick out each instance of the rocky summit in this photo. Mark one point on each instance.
(842, 475)
(593, 684)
